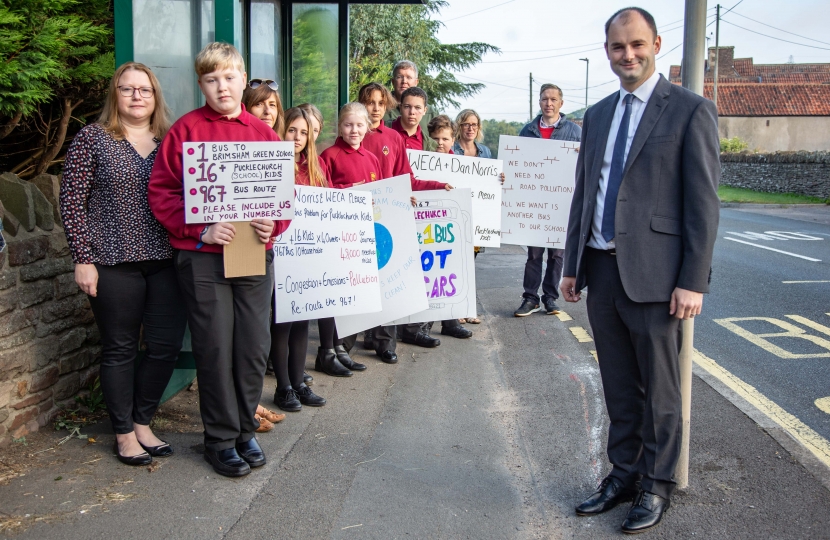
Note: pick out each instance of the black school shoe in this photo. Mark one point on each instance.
(456, 331)
(646, 512)
(227, 462)
(251, 452)
(287, 400)
(344, 358)
(307, 378)
(421, 339)
(307, 397)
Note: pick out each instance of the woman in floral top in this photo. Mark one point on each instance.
(123, 259)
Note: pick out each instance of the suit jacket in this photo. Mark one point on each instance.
(667, 207)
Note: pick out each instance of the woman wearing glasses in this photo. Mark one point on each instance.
(262, 99)
(123, 259)
(468, 135)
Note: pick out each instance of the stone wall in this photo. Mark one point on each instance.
(49, 344)
(805, 173)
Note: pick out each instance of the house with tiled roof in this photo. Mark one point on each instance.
(773, 107)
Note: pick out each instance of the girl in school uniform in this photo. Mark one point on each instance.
(289, 340)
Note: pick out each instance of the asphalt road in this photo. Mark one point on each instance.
(498, 436)
(757, 292)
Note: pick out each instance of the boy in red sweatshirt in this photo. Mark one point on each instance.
(228, 317)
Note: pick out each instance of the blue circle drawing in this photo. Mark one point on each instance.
(383, 244)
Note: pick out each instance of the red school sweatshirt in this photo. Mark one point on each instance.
(389, 147)
(165, 191)
(348, 167)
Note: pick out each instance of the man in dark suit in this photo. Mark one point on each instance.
(642, 229)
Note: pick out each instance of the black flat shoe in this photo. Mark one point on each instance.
(645, 513)
(307, 397)
(227, 462)
(307, 378)
(456, 331)
(162, 450)
(422, 340)
(609, 494)
(389, 357)
(344, 358)
(141, 459)
(251, 452)
(328, 363)
(287, 400)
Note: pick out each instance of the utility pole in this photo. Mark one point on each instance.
(717, 58)
(587, 63)
(692, 74)
(530, 101)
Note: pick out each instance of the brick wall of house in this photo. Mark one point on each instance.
(49, 344)
(805, 173)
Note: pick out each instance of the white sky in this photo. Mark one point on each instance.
(530, 29)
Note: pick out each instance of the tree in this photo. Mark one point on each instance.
(380, 35)
(55, 56)
(492, 129)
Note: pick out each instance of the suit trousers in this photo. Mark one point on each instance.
(229, 325)
(533, 273)
(130, 296)
(385, 338)
(637, 349)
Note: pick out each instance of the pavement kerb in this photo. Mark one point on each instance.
(761, 205)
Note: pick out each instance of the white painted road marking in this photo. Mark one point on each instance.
(773, 249)
(813, 281)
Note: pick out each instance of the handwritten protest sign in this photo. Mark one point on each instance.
(443, 220)
(238, 181)
(398, 254)
(325, 264)
(481, 176)
(537, 191)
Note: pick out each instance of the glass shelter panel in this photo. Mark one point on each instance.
(266, 42)
(315, 62)
(167, 35)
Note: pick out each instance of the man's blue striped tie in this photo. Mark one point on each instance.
(616, 175)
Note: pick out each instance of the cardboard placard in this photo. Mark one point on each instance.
(445, 233)
(325, 263)
(537, 191)
(481, 176)
(238, 181)
(399, 256)
(245, 255)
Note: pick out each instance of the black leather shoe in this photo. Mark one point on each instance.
(328, 363)
(609, 494)
(456, 331)
(344, 358)
(139, 460)
(308, 379)
(422, 340)
(307, 397)
(369, 340)
(287, 400)
(389, 357)
(251, 452)
(162, 450)
(227, 462)
(645, 513)
(269, 367)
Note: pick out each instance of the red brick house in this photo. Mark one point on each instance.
(773, 107)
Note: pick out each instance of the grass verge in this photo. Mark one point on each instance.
(740, 195)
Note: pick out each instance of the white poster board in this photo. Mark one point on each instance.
(444, 223)
(398, 254)
(481, 176)
(537, 192)
(238, 181)
(325, 262)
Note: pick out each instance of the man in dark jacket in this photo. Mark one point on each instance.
(551, 124)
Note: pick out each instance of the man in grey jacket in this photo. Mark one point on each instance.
(642, 229)
(550, 124)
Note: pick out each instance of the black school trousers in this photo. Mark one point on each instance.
(229, 325)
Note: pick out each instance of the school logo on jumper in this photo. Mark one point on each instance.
(385, 150)
(372, 177)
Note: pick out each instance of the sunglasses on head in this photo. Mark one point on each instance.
(256, 83)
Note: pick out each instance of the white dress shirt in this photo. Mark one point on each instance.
(638, 106)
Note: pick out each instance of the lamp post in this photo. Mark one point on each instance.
(587, 63)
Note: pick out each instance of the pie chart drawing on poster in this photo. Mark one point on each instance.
(383, 243)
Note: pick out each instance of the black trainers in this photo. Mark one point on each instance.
(307, 397)
(528, 306)
(550, 306)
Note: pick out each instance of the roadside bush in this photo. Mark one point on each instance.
(733, 145)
